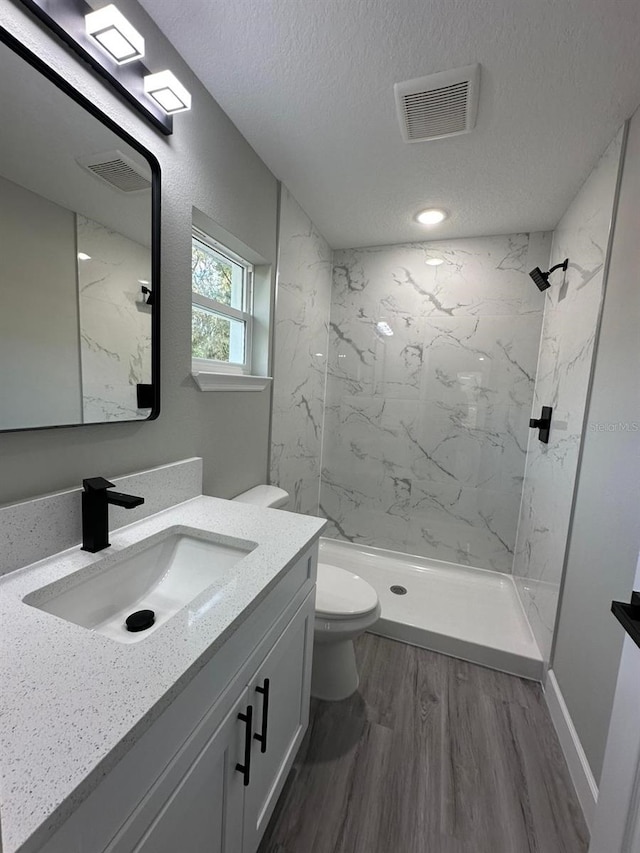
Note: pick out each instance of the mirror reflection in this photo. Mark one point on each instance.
(76, 289)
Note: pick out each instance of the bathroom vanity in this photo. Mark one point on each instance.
(179, 739)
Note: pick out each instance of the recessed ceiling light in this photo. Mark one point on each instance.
(82, 256)
(115, 35)
(384, 328)
(167, 91)
(431, 216)
(434, 262)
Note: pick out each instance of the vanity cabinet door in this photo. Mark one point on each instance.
(203, 811)
(282, 688)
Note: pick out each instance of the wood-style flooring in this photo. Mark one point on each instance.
(431, 755)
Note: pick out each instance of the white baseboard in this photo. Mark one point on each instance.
(581, 774)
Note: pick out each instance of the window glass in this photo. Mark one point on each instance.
(217, 337)
(221, 295)
(216, 277)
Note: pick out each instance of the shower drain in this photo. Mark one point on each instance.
(396, 589)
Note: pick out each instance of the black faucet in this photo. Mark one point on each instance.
(95, 511)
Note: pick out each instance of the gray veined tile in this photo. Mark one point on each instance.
(566, 354)
(301, 334)
(443, 401)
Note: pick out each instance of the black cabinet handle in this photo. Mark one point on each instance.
(245, 768)
(262, 737)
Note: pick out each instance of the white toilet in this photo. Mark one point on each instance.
(346, 605)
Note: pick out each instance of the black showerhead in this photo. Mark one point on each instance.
(541, 279)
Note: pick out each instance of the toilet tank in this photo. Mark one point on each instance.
(267, 496)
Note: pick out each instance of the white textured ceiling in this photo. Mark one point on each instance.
(310, 84)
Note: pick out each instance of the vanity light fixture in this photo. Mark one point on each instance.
(111, 46)
(115, 35)
(168, 92)
(431, 216)
(82, 256)
(434, 262)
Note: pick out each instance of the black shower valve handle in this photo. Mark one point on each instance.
(543, 424)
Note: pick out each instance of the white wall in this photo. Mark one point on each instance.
(39, 343)
(206, 164)
(605, 537)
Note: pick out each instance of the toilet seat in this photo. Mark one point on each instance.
(343, 595)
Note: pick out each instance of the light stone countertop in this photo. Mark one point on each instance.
(74, 701)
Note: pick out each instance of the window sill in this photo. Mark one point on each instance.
(209, 381)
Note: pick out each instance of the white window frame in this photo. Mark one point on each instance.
(245, 315)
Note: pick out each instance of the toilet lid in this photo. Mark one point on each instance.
(341, 594)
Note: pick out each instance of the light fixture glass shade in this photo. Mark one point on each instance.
(168, 92)
(115, 35)
(431, 216)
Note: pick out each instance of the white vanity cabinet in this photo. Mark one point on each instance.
(204, 811)
(284, 678)
(216, 792)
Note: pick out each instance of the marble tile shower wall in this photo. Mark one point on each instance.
(115, 323)
(301, 329)
(426, 428)
(566, 355)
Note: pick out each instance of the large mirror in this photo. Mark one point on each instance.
(79, 272)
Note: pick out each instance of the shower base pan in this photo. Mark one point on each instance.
(464, 612)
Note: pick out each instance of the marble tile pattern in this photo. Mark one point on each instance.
(115, 323)
(301, 330)
(572, 306)
(37, 528)
(426, 429)
(58, 738)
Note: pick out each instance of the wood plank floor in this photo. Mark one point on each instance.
(431, 755)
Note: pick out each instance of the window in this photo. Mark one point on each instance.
(221, 285)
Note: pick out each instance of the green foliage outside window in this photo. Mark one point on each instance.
(210, 332)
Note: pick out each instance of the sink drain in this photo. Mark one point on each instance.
(396, 589)
(140, 620)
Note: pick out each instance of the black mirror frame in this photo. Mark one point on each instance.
(14, 44)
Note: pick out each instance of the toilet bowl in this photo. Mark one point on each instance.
(346, 606)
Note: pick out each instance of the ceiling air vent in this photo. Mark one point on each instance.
(118, 170)
(439, 105)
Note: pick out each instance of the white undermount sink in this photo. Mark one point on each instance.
(164, 577)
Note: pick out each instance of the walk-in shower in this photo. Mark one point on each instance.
(403, 395)
(425, 435)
